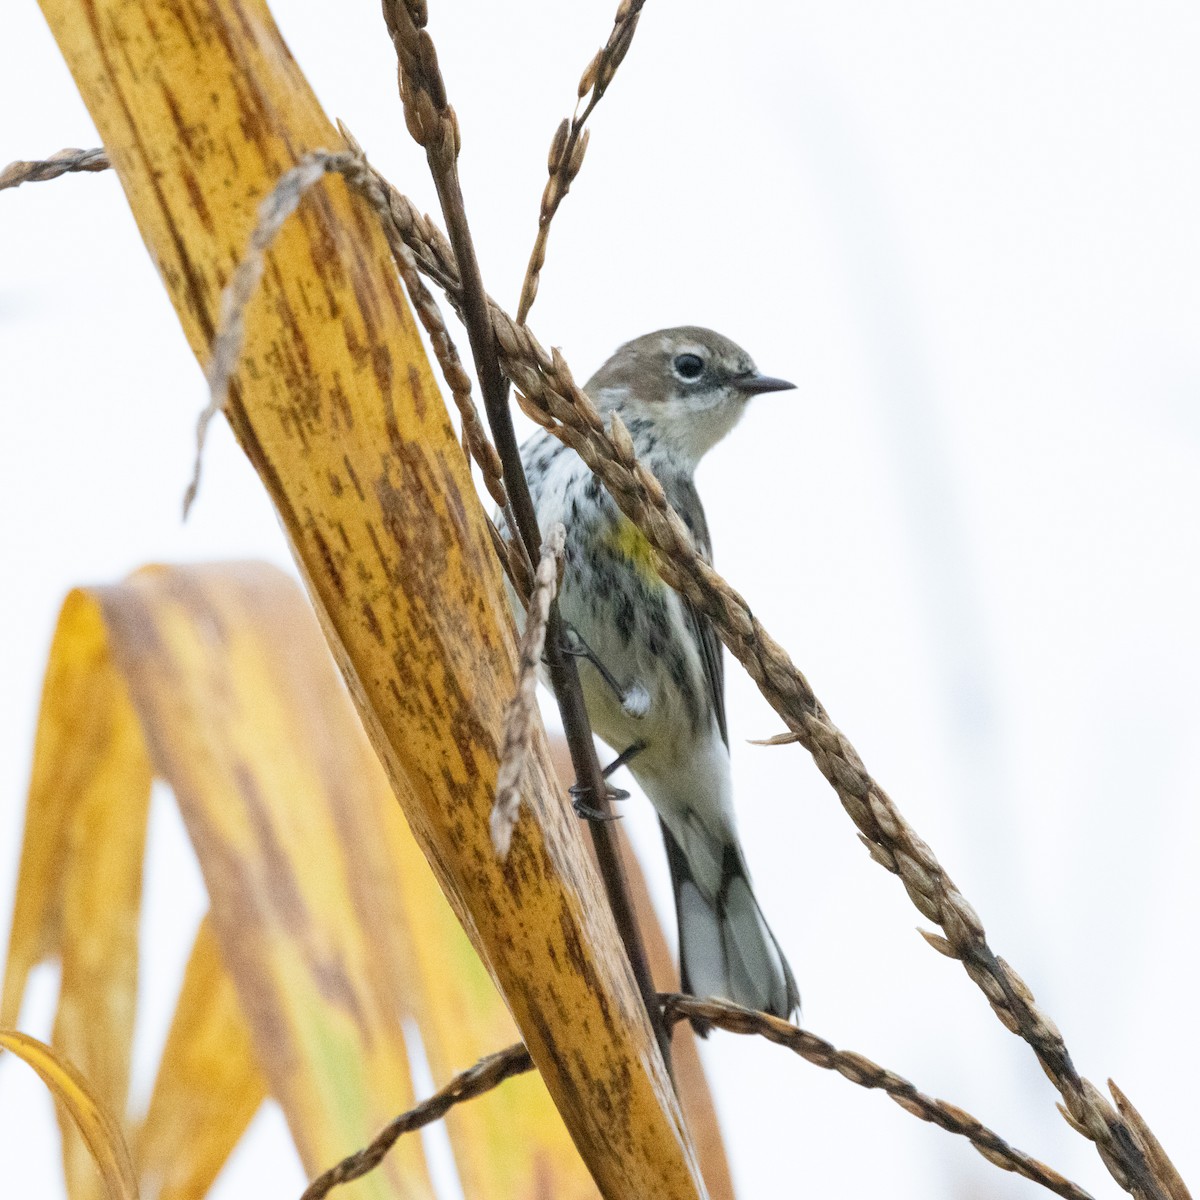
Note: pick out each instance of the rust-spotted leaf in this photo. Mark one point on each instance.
(337, 408)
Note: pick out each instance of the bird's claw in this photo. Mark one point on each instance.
(580, 794)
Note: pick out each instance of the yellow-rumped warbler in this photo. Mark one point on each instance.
(654, 681)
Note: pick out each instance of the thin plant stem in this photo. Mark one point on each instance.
(434, 126)
(571, 140)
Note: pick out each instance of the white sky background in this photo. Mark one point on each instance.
(969, 233)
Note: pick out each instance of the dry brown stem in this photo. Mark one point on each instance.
(274, 211)
(859, 1070)
(571, 139)
(62, 163)
(434, 126)
(475, 437)
(482, 1077)
(521, 718)
(476, 444)
(867, 1074)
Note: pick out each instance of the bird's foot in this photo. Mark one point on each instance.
(581, 794)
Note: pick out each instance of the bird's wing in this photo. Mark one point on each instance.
(687, 503)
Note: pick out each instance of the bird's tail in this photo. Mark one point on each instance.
(726, 948)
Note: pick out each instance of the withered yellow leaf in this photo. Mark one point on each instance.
(79, 887)
(338, 410)
(208, 1085)
(246, 720)
(95, 1123)
(327, 915)
(324, 896)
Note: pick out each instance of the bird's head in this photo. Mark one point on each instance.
(679, 391)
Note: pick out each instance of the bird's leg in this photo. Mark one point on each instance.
(635, 700)
(576, 647)
(623, 759)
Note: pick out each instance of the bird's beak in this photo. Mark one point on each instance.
(755, 385)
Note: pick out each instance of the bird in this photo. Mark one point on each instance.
(651, 665)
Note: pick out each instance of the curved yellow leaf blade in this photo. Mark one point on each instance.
(96, 1124)
(80, 883)
(84, 721)
(293, 817)
(238, 700)
(208, 1086)
(512, 1144)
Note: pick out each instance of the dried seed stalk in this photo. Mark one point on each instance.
(475, 437)
(521, 718)
(486, 1074)
(867, 1074)
(570, 141)
(42, 169)
(1164, 1167)
(859, 1070)
(273, 212)
(476, 444)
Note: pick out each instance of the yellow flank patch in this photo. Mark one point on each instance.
(628, 542)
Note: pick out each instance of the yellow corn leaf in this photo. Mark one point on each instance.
(226, 663)
(208, 1085)
(201, 107)
(79, 888)
(86, 819)
(510, 1144)
(91, 751)
(329, 919)
(99, 1129)
(230, 677)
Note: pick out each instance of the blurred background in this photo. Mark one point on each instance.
(969, 233)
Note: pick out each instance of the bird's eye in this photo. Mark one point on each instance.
(688, 366)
